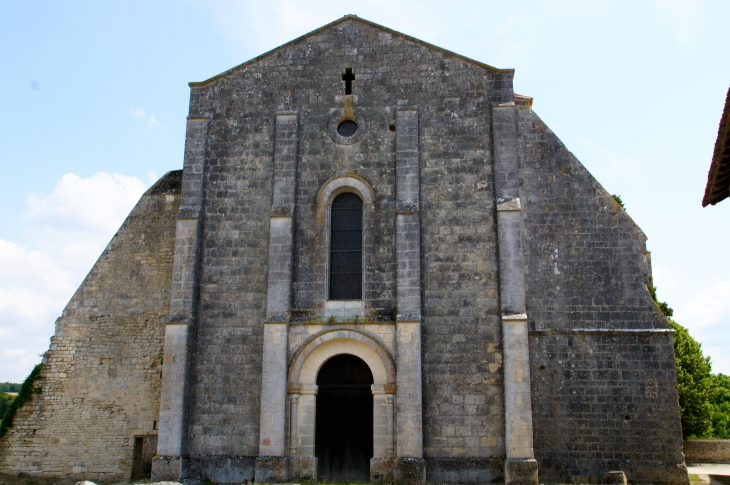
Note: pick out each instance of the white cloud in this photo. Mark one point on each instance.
(706, 314)
(707, 307)
(65, 231)
(142, 115)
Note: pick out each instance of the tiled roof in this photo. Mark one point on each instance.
(718, 180)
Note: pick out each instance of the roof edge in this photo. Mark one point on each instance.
(718, 182)
(198, 84)
(523, 100)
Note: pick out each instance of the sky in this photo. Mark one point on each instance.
(94, 95)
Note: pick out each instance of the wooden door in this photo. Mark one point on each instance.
(344, 426)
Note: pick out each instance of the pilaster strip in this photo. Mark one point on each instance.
(272, 430)
(281, 223)
(408, 274)
(517, 394)
(178, 332)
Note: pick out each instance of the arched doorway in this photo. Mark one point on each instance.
(304, 371)
(344, 420)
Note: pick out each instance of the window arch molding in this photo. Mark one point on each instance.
(332, 188)
(348, 183)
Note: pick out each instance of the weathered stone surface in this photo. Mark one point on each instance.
(550, 247)
(519, 471)
(604, 398)
(707, 451)
(272, 469)
(101, 385)
(222, 468)
(170, 467)
(616, 477)
(410, 471)
(465, 470)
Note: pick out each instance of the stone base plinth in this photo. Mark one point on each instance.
(308, 468)
(520, 471)
(222, 468)
(293, 468)
(616, 478)
(271, 469)
(169, 468)
(410, 471)
(465, 470)
(381, 470)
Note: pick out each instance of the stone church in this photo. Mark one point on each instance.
(377, 265)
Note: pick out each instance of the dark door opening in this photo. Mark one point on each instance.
(344, 427)
(145, 449)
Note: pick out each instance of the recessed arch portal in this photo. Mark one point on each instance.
(328, 343)
(303, 389)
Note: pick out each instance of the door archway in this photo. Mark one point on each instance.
(304, 371)
(344, 421)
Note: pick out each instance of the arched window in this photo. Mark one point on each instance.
(346, 248)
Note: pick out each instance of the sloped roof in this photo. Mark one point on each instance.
(718, 180)
(337, 22)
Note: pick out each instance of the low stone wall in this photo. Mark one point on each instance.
(707, 451)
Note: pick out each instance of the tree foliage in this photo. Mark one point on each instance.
(26, 392)
(693, 384)
(5, 400)
(720, 398)
(618, 200)
(9, 387)
(704, 397)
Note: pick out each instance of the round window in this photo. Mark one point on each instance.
(347, 128)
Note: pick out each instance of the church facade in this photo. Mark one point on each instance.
(379, 265)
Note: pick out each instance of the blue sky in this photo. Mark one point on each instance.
(94, 95)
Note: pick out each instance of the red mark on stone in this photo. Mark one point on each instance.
(267, 442)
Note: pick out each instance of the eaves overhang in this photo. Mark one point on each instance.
(718, 179)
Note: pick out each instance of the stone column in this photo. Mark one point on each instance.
(409, 466)
(520, 464)
(171, 462)
(271, 464)
(307, 424)
(293, 415)
(381, 464)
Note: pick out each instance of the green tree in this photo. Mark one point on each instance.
(704, 398)
(694, 384)
(26, 392)
(9, 387)
(720, 398)
(5, 400)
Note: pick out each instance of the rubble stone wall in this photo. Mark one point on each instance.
(101, 382)
(707, 451)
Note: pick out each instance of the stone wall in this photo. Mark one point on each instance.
(707, 451)
(101, 382)
(602, 364)
(463, 410)
(586, 261)
(602, 358)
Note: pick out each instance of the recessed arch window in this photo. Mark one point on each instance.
(345, 278)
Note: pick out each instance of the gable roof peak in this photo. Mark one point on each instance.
(344, 18)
